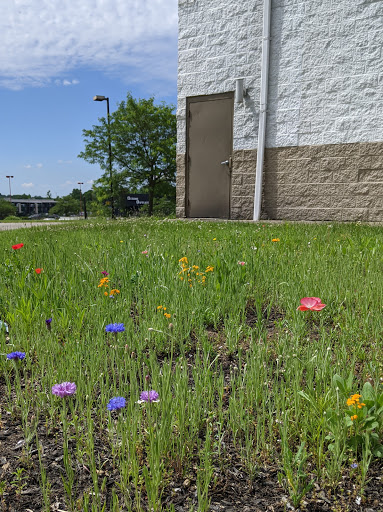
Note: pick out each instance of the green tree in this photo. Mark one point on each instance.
(143, 137)
(6, 209)
(66, 205)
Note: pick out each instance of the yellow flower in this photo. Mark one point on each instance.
(183, 260)
(167, 315)
(121, 241)
(355, 417)
(209, 269)
(214, 239)
(103, 282)
(159, 307)
(275, 240)
(114, 291)
(195, 267)
(106, 293)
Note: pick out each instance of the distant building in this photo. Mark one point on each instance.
(324, 116)
(27, 207)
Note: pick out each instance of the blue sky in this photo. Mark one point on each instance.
(54, 57)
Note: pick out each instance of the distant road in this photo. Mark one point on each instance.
(7, 226)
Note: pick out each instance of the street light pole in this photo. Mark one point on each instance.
(10, 193)
(103, 98)
(80, 183)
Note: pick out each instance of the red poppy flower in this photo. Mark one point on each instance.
(17, 246)
(312, 303)
(38, 270)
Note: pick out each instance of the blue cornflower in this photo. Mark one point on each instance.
(116, 403)
(115, 328)
(16, 355)
(354, 465)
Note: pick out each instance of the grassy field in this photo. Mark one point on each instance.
(259, 404)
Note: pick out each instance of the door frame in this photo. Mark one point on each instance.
(197, 99)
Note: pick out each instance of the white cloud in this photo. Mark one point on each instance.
(66, 82)
(90, 182)
(29, 166)
(44, 39)
(27, 185)
(61, 162)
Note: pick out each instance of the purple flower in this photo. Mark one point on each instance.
(116, 403)
(16, 355)
(64, 389)
(149, 396)
(354, 465)
(48, 323)
(115, 328)
(104, 273)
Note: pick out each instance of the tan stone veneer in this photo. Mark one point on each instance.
(181, 185)
(243, 184)
(341, 182)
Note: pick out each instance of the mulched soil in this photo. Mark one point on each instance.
(233, 489)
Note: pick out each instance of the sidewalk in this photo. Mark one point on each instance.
(7, 226)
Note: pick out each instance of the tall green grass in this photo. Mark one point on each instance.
(236, 366)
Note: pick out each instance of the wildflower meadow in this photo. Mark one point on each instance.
(163, 365)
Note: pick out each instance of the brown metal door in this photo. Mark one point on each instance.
(209, 148)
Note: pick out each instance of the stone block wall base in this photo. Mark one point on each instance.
(243, 184)
(335, 182)
(181, 185)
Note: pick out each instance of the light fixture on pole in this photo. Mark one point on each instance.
(240, 90)
(10, 193)
(103, 98)
(80, 183)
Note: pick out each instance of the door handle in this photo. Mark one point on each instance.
(226, 162)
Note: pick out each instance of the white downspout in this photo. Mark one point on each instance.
(263, 107)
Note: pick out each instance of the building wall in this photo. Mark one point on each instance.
(324, 156)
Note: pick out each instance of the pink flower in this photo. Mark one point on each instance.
(104, 273)
(144, 252)
(148, 396)
(241, 263)
(312, 303)
(64, 389)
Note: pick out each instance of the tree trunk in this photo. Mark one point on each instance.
(151, 197)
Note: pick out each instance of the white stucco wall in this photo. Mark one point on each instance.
(326, 72)
(326, 68)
